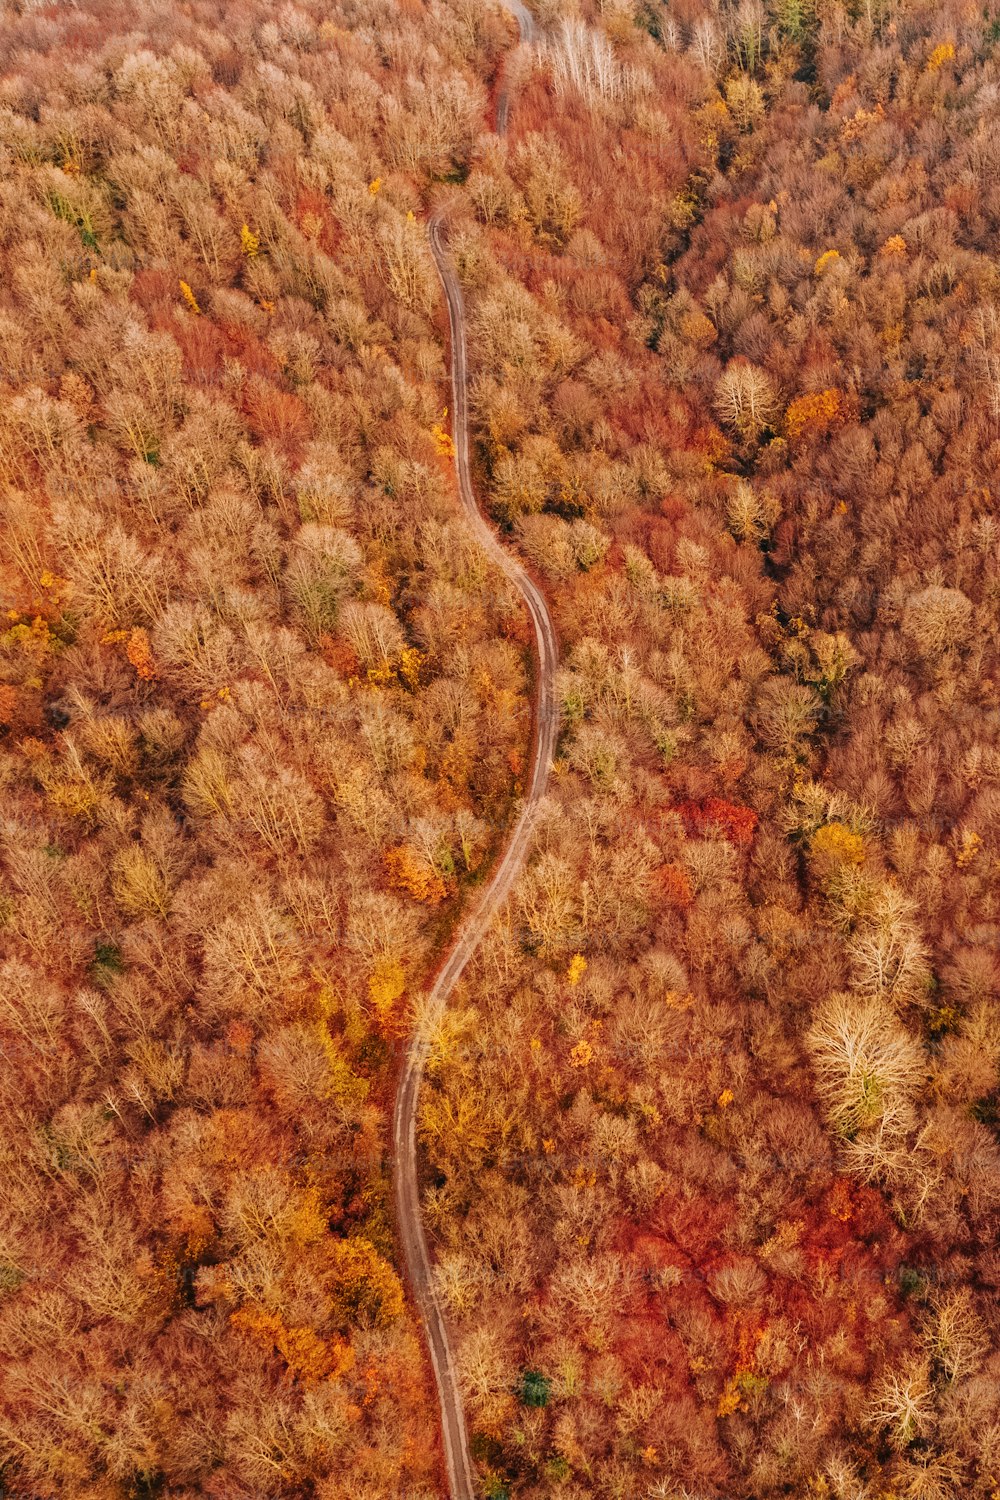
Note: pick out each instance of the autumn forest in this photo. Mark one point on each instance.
(707, 1122)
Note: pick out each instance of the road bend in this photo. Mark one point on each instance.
(455, 1436)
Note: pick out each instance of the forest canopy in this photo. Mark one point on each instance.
(709, 1133)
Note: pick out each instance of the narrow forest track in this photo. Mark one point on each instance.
(455, 1435)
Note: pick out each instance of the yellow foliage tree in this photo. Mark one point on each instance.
(308, 1357)
(386, 985)
(577, 969)
(413, 873)
(837, 843)
(442, 439)
(581, 1054)
(967, 847)
(410, 662)
(308, 1222)
(140, 654)
(817, 412)
(943, 52)
(366, 1286)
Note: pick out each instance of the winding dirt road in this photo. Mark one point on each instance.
(411, 1230)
